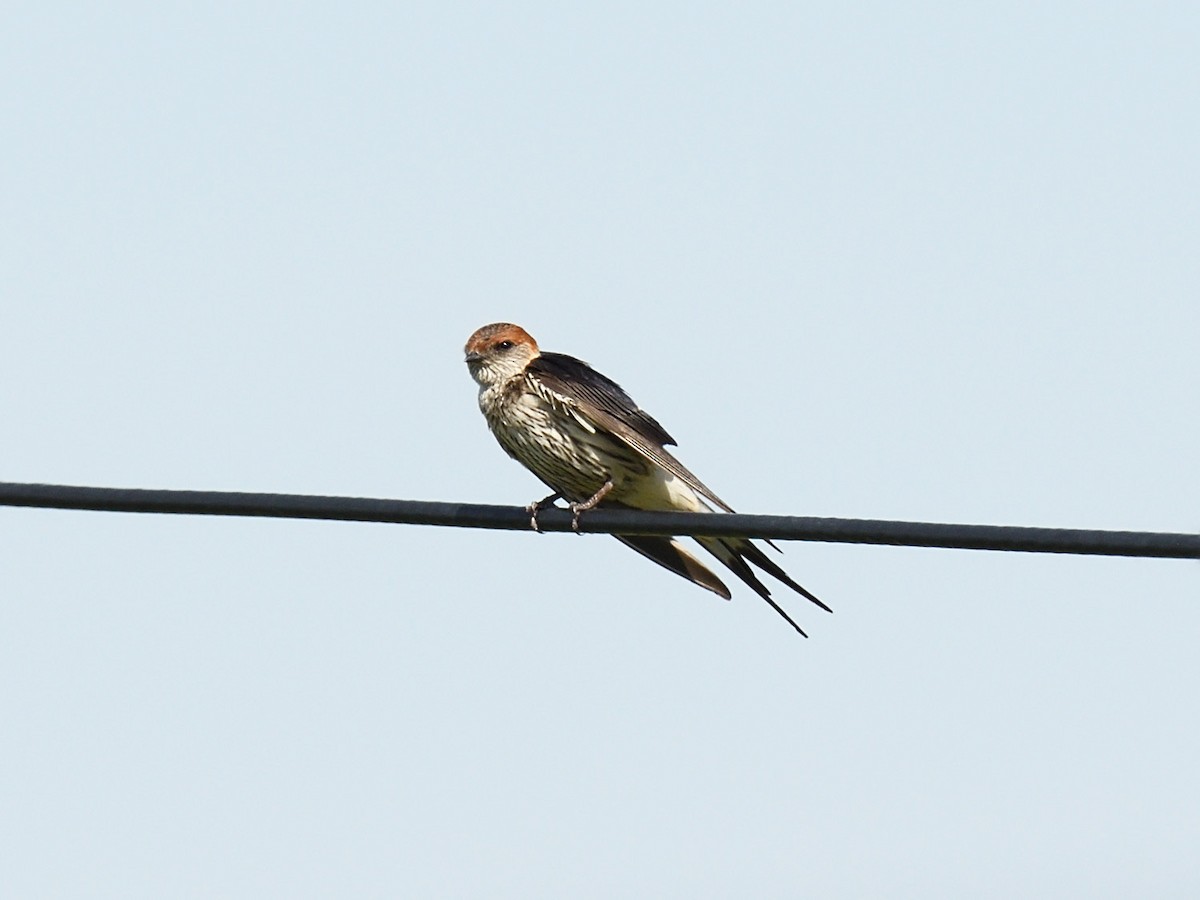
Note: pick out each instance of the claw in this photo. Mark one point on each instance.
(590, 502)
(533, 508)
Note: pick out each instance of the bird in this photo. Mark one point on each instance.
(592, 445)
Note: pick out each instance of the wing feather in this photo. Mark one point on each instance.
(605, 403)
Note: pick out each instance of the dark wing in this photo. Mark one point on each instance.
(577, 381)
(603, 401)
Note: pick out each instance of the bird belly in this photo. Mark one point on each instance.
(660, 490)
(562, 450)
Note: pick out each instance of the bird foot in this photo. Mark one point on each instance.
(536, 505)
(577, 508)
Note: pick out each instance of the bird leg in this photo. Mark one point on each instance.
(533, 508)
(587, 504)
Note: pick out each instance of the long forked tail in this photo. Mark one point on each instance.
(734, 553)
(670, 554)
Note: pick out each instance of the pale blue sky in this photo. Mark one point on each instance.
(934, 263)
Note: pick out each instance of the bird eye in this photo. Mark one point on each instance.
(504, 345)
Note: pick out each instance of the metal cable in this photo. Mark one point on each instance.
(606, 521)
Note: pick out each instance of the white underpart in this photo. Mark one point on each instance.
(660, 490)
(556, 441)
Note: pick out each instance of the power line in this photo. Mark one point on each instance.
(605, 521)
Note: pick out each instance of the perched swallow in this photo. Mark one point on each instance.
(582, 435)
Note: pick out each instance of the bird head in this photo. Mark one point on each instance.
(496, 353)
